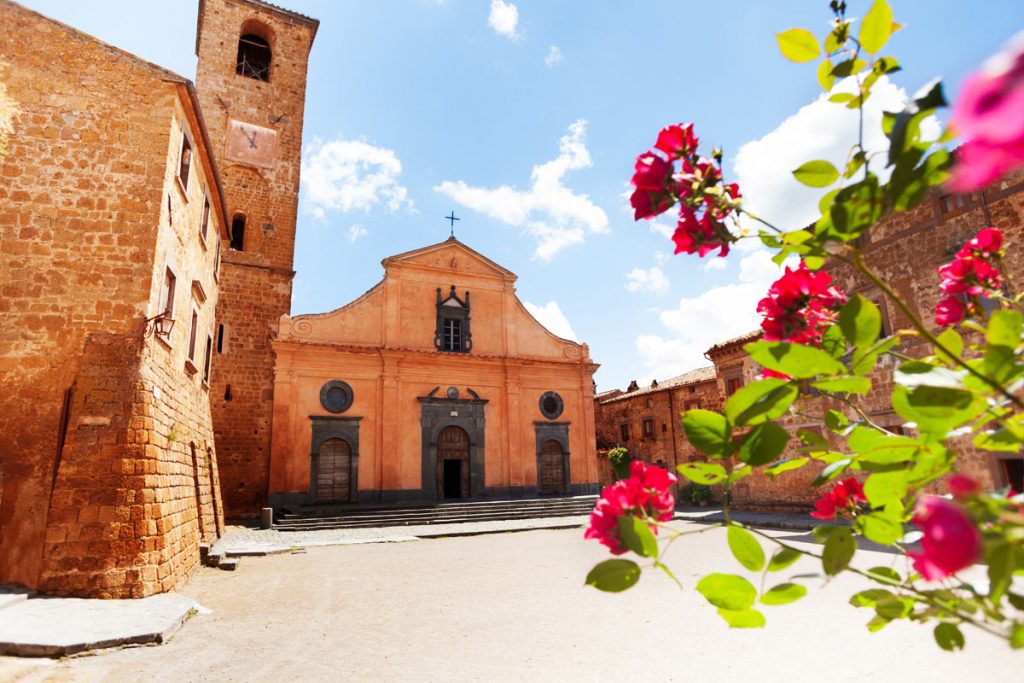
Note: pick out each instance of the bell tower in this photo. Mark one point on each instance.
(251, 81)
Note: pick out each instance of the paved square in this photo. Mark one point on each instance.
(514, 607)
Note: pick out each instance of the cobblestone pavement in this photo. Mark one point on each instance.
(513, 607)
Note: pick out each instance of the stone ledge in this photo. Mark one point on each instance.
(53, 627)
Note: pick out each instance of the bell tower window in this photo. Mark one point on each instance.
(451, 333)
(238, 232)
(253, 57)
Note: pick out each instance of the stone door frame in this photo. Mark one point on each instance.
(325, 428)
(558, 432)
(437, 413)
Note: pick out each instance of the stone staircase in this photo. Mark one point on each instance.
(309, 518)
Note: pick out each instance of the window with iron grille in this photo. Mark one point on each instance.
(253, 57)
(451, 333)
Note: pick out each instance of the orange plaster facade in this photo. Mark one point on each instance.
(383, 346)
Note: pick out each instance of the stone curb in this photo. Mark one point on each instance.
(54, 627)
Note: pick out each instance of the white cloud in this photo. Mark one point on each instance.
(348, 175)
(820, 130)
(698, 323)
(551, 317)
(553, 57)
(549, 211)
(712, 263)
(504, 19)
(356, 232)
(652, 280)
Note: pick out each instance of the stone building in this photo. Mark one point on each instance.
(645, 420)
(905, 249)
(435, 384)
(111, 222)
(251, 79)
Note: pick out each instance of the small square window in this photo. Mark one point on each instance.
(624, 432)
(205, 224)
(648, 427)
(732, 385)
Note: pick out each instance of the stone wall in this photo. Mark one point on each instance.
(91, 213)
(256, 282)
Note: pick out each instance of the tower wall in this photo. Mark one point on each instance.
(256, 131)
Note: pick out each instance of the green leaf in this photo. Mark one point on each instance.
(638, 537)
(894, 608)
(841, 97)
(614, 576)
(886, 573)
(728, 591)
(795, 360)
(836, 421)
(783, 594)
(1005, 329)
(882, 488)
(785, 466)
(1000, 440)
(760, 401)
(706, 473)
(763, 444)
(880, 528)
(876, 27)
(870, 597)
(885, 65)
(798, 45)
(864, 360)
(906, 125)
(949, 637)
(817, 173)
(860, 321)
(707, 430)
(848, 67)
(837, 37)
(1002, 561)
(935, 410)
(746, 618)
(825, 78)
(951, 340)
(844, 385)
(832, 471)
(783, 557)
(877, 623)
(839, 549)
(1017, 636)
(745, 548)
(857, 207)
(916, 373)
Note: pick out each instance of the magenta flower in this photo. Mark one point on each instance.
(647, 491)
(989, 115)
(950, 543)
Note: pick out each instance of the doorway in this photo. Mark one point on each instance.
(334, 471)
(452, 463)
(552, 467)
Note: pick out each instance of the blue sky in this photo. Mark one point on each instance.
(525, 118)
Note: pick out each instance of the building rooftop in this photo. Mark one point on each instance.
(692, 377)
(742, 339)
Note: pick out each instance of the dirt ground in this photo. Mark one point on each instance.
(513, 607)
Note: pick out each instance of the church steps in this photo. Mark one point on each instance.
(329, 517)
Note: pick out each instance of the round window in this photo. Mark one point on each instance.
(551, 405)
(336, 396)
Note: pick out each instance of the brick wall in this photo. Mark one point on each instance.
(256, 282)
(91, 212)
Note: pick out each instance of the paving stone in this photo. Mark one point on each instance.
(50, 627)
(12, 595)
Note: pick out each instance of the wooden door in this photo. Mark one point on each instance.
(453, 444)
(334, 471)
(552, 467)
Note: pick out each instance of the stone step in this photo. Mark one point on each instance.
(342, 509)
(484, 511)
(229, 564)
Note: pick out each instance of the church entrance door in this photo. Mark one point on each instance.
(452, 463)
(334, 471)
(552, 467)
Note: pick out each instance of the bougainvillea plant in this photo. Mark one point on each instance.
(900, 490)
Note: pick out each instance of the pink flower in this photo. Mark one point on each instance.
(968, 276)
(768, 373)
(951, 541)
(842, 499)
(677, 141)
(645, 493)
(700, 235)
(989, 115)
(800, 306)
(949, 311)
(652, 177)
(962, 486)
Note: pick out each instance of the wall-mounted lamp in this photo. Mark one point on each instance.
(160, 325)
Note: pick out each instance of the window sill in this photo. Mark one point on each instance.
(165, 341)
(182, 187)
(190, 367)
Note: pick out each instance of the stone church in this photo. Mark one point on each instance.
(436, 384)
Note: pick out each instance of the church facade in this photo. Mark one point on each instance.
(436, 384)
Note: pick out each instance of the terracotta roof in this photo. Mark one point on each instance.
(742, 339)
(692, 377)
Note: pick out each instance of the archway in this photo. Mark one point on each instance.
(552, 467)
(334, 471)
(452, 463)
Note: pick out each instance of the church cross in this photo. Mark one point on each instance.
(452, 219)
